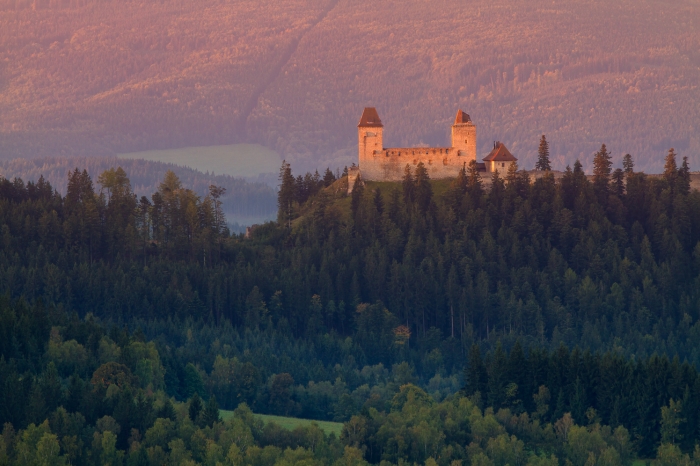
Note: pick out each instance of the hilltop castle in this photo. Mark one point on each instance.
(377, 163)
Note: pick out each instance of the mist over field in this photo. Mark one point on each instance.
(84, 78)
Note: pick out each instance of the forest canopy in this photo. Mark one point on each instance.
(523, 319)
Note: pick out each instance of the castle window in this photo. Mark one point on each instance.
(503, 164)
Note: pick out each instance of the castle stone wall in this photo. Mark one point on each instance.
(389, 164)
(378, 163)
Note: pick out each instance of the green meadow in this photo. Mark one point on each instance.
(290, 423)
(241, 160)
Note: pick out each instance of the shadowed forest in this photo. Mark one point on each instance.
(547, 321)
(104, 77)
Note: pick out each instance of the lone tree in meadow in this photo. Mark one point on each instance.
(543, 163)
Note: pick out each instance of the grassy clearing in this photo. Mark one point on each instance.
(248, 160)
(290, 423)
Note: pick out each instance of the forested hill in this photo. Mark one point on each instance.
(243, 200)
(345, 306)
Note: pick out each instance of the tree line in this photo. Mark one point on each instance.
(328, 312)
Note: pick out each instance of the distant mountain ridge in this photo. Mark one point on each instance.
(100, 78)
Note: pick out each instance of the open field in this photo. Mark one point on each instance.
(239, 160)
(291, 423)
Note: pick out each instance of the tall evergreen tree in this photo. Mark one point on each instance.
(475, 375)
(286, 196)
(628, 164)
(618, 178)
(543, 163)
(602, 168)
(423, 190)
(671, 169)
(684, 178)
(512, 172)
(328, 177)
(358, 191)
(474, 183)
(195, 407)
(408, 184)
(210, 415)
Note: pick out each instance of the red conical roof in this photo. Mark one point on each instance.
(462, 118)
(370, 118)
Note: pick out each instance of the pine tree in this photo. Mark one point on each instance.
(497, 377)
(423, 190)
(408, 185)
(328, 177)
(602, 168)
(474, 183)
(210, 415)
(628, 164)
(195, 407)
(512, 172)
(358, 191)
(684, 178)
(460, 183)
(618, 182)
(475, 374)
(671, 169)
(543, 163)
(286, 195)
(378, 201)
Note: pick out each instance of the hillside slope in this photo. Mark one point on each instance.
(109, 77)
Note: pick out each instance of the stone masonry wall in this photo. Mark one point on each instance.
(389, 164)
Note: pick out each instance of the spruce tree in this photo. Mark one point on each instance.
(356, 196)
(602, 168)
(475, 375)
(286, 195)
(543, 163)
(423, 190)
(497, 377)
(512, 172)
(618, 182)
(671, 169)
(474, 184)
(378, 201)
(684, 178)
(210, 415)
(195, 407)
(409, 187)
(628, 164)
(328, 177)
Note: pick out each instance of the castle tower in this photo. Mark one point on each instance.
(464, 136)
(370, 138)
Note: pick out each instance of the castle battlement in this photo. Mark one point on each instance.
(379, 163)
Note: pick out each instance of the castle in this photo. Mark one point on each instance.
(377, 163)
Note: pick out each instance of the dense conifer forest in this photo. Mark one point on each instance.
(542, 321)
